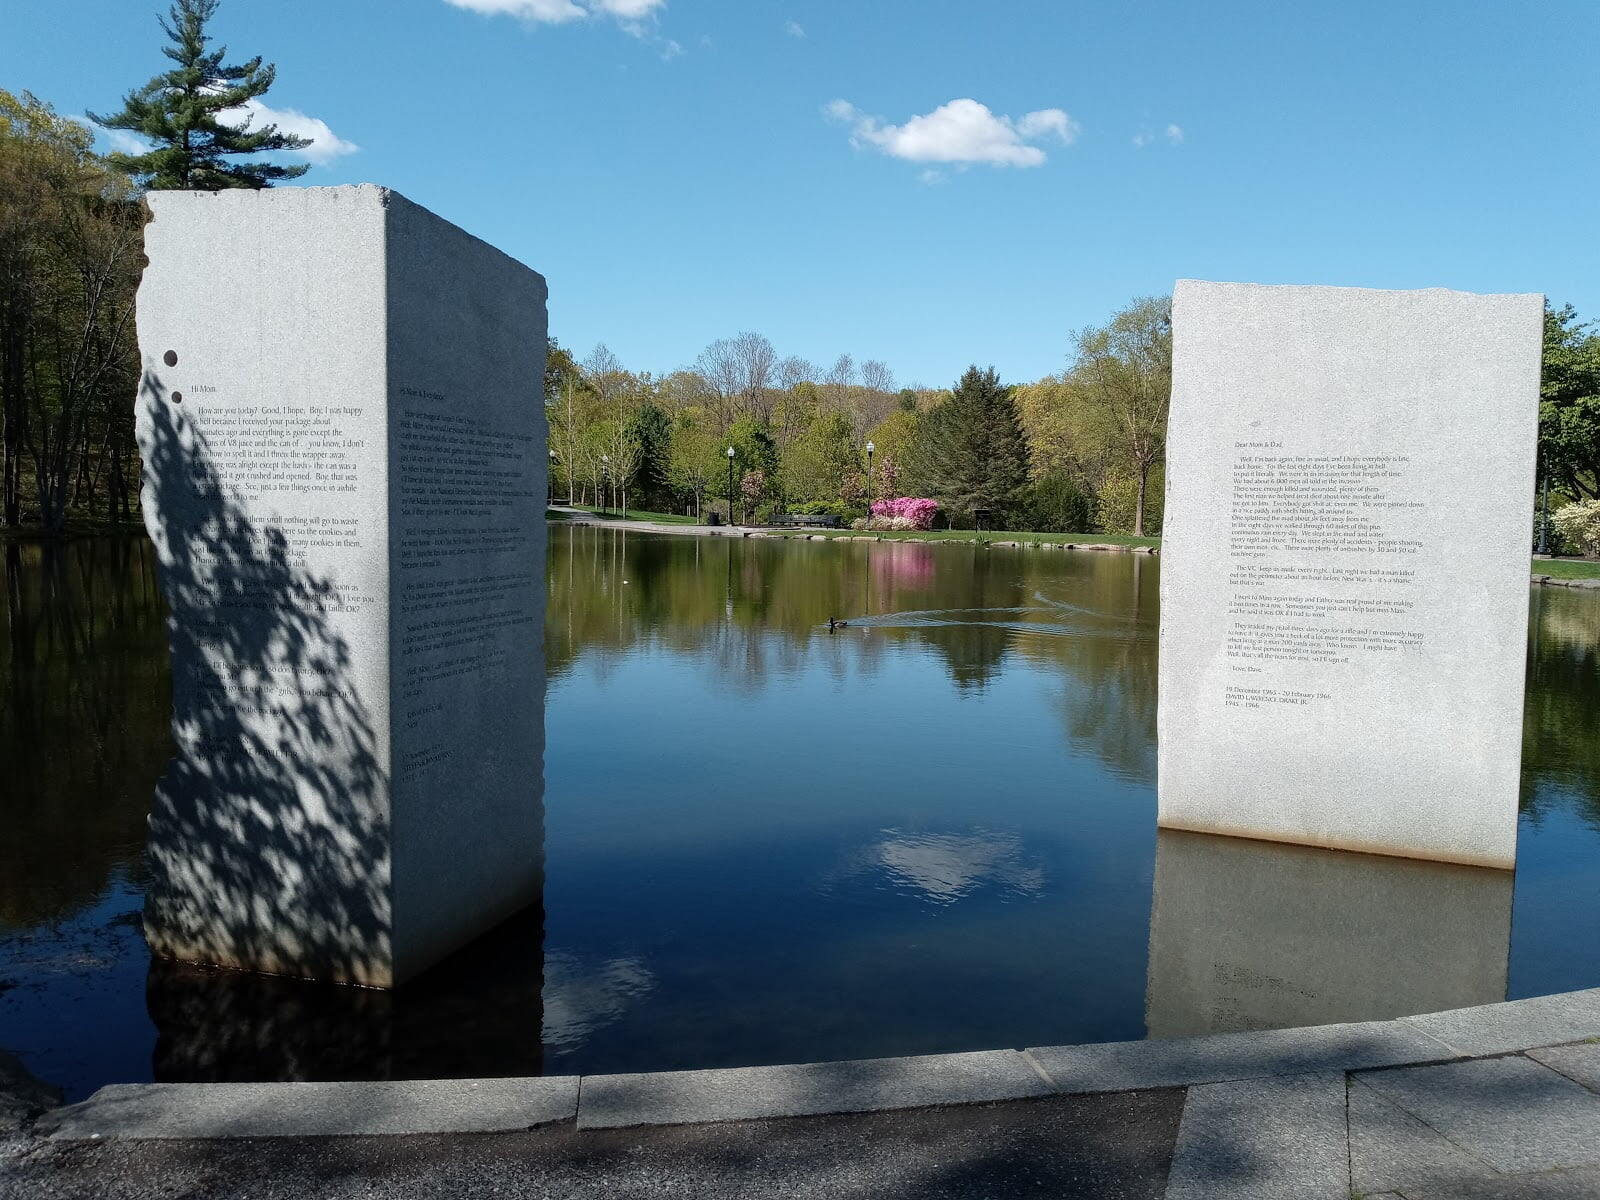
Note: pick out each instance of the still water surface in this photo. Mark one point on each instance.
(933, 829)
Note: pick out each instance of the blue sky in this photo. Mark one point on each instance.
(681, 170)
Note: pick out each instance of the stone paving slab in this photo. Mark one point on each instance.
(230, 1110)
(1515, 1024)
(807, 1089)
(1580, 1184)
(1580, 1063)
(1391, 1150)
(1082, 1148)
(1263, 1139)
(1512, 1112)
(1214, 1058)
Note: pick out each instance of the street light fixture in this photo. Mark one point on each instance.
(552, 476)
(730, 485)
(870, 449)
(605, 495)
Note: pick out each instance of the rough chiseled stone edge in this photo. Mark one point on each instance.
(233, 1110)
(811, 1089)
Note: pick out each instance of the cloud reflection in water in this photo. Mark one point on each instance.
(579, 999)
(942, 868)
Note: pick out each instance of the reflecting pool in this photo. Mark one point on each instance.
(930, 829)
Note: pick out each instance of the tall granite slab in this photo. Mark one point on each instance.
(344, 457)
(1249, 935)
(1344, 590)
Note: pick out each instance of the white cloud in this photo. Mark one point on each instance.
(325, 144)
(961, 131)
(670, 50)
(123, 141)
(794, 29)
(1173, 134)
(548, 12)
(632, 15)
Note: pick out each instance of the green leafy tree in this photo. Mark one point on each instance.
(650, 429)
(970, 452)
(182, 112)
(1569, 404)
(1123, 374)
(71, 240)
(815, 466)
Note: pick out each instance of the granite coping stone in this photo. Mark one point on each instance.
(807, 1089)
(1514, 1024)
(1214, 1058)
(222, 1110)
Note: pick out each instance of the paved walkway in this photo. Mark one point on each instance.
(1498, 1101)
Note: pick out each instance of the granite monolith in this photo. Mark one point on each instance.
(1344, 591)
(344, 459)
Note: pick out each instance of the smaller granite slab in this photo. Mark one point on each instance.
(1391, 1150)
(806, 1089)
(1515, 1024)
(1581, 1184)
(229, 1110)
(1512, 1112)
(1263, 1139)
(1580, 1063)
(1176, 1062)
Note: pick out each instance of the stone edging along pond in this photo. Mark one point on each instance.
(235, 1110)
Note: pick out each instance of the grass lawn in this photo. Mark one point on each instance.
(634, 514)
(1567, 568)
(987, 535)
(1559, 568)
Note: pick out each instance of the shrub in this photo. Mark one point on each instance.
(1579, 526)
(899, 524)
(917, 513)
(1056, 504)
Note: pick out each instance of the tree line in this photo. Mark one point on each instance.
(1079, 451)
(746, 433)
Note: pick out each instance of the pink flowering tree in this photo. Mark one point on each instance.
(914, 512)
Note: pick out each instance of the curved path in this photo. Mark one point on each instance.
(1498, 1100)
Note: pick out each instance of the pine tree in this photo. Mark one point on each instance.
(181, 112)
(973, 454)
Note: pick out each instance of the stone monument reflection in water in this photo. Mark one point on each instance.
(344, 475)
(1255, 935)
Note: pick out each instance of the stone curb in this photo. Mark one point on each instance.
(807, 1089)
(229, 1110)
(234, 1110)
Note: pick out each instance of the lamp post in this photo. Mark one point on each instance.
(552, 476)
(730, 485)
(1544, 520)
(605, 495)
(870, 449)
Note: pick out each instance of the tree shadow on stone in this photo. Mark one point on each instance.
(269, 835)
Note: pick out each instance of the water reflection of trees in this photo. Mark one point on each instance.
(84, 705)
(757, 609)
(1561, 720)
